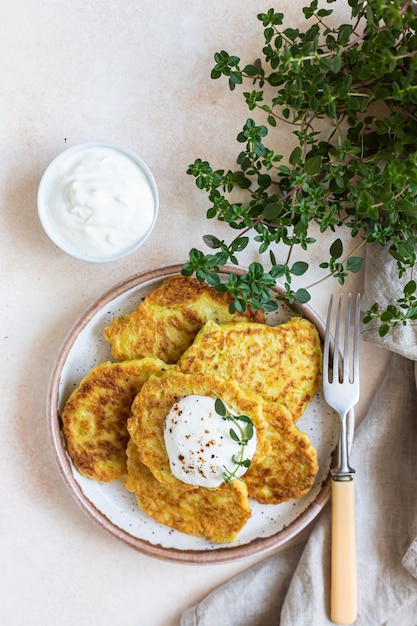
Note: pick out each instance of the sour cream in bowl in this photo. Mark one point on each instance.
(98, 201)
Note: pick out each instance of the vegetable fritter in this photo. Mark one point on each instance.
(95, 416)
(290, 467)
(167, 320)
(281, 363)
(215, 514)
(159, 394)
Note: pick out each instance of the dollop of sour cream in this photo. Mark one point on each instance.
(198, 443)
(101, 202)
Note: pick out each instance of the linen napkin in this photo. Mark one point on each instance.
(292, 588)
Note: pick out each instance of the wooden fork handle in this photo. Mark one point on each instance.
(343, 608)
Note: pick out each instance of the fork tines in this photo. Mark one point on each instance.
(340, 360)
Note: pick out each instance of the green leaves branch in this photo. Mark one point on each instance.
(241, 432)
(394, 315)
(359, 175)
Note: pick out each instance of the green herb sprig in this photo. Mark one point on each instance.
(242, 437)
(350, 95)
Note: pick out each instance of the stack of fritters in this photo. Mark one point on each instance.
(284, 465)
(182, 340)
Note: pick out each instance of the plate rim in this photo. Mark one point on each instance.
(256, 547)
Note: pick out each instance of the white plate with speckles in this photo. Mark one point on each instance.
(115, 509)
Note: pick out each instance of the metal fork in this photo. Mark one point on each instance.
(341, 392)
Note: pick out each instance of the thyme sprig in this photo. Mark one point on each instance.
(244, 434)
(350, 95)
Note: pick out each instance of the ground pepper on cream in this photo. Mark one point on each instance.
(198, 442)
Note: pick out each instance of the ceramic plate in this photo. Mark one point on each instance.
(115, 509)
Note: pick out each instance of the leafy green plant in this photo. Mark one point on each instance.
(350, 95)
(242, 435)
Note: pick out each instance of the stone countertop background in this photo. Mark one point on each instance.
(135, 73)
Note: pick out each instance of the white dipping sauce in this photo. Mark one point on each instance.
(101, 202)
(198, 443)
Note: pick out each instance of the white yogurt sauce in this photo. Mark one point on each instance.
(101, 202)
(199, 445)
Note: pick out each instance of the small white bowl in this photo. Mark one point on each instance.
(98, 201)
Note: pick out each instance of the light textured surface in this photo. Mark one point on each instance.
(136, 73)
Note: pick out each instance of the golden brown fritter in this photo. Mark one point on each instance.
(159, 394)
(95, 416)
(280, 363)
(290, 467)
(167, 320)
(215, 514)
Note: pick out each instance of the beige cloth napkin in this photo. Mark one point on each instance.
(291, 588)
